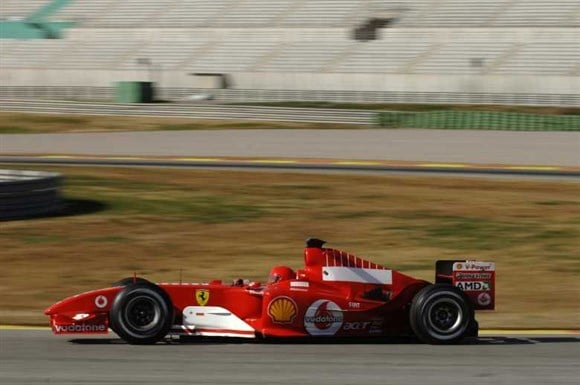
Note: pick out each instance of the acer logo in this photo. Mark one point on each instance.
(356, 325)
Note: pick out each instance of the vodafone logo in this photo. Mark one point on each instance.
(323, 318)
(101, 301)
(80, 328)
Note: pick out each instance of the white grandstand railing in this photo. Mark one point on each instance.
(247, 96)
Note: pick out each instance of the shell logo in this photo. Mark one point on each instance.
(282, 310)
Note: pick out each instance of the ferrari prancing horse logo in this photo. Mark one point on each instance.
(202, 296)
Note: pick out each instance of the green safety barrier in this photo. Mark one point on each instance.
(36, 24)
(134, 92)
(485, 120)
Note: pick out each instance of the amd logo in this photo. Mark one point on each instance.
(473, 285)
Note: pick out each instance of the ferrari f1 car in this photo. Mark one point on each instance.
(335, 294)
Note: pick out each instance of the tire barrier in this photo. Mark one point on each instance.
(25, 194)
(487, 120)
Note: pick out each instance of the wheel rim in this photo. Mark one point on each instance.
(142, 313)
(445, 316)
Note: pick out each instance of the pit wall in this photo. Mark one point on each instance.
(530, 84)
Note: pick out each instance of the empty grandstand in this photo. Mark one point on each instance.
(526, 52)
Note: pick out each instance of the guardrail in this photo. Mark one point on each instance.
(184, 110)
(488, 120)
(26, 194)
(248, 95)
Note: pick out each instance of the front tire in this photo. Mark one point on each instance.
(129, 281)
(441, 314)
(141, 314)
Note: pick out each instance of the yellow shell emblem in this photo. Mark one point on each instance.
(282, 310)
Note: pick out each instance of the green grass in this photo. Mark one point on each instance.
(195, 208)
(554, 203)
(109, 238)
(35, 239)
(24, 123)
(9, 129)
(62, 119)
(467, 232)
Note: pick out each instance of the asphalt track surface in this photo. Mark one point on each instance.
(38, 357)
(497, 147)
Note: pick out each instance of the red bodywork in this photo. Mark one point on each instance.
(336, 294)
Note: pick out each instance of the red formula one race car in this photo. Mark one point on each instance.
(336, 294)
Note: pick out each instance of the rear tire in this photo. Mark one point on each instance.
(441, 314)
(141, 314)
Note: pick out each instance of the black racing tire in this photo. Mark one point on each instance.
(441, 314)
(124, 282)
(129, 281)
(141, 314)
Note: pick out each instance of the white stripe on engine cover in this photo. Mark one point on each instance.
(299, 284)
(213, 317)
(352, 274)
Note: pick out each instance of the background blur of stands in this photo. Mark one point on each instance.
(404, 51)
(86, 93)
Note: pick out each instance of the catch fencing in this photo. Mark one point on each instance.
(488, 120)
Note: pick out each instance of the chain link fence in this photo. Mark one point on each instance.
(479, 120)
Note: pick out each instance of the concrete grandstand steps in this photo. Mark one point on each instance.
(422, 51)
(98, 49)
(309, 13)
(463, 57)
(84, 12)
(383, 56)
(133, 13)
(319, 54)
(193, 14)
(215, 13)
(544, 58)
(253, 13)
(239, 53)
(18, 9)
(324, 13)
(30, 53)
(477, 13)
(540, 13)
(168, 50)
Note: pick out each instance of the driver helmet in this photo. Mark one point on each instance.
(281, 273)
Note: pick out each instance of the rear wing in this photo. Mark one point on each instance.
(475, 278)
